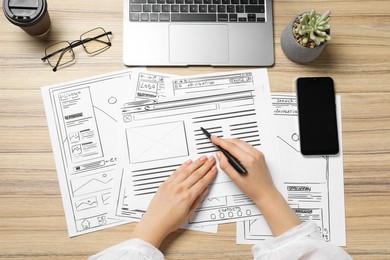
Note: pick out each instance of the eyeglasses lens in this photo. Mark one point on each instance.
(60, 51)
(95, 40)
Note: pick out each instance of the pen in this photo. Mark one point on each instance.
(231, 159)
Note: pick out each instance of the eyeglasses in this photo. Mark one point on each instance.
(93, 41)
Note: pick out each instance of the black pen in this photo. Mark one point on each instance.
(231, 159)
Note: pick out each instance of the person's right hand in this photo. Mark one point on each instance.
(257, 183)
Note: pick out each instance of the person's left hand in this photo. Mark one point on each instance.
(176, 200)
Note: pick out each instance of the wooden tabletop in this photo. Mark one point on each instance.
(32, 222)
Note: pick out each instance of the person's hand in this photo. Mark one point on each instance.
(176, 200)
(257, 183)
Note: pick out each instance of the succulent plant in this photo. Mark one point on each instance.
(312, 28)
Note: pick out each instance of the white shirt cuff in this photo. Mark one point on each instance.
(301, 242)
(130, 249)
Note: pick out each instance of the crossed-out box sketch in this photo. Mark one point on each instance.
(157, 142)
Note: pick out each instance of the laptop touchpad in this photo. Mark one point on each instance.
(199, 43)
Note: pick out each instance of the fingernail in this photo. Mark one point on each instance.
(211, 158)
(188, 162)
(203, 158)
(219, 155)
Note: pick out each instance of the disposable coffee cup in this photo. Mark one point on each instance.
(30, 15)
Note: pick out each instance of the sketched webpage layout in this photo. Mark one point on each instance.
(314, 184)
(82, 121)
(149, 85)
(162, 134)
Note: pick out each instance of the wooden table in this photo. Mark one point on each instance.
(32, 222)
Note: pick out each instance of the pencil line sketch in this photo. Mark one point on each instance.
(158, 142)
(87, 203)
(101, 110)
(188, 85)
(92, 184)
(106, 198)
(147, 180)
(150, 86)
(225, 209)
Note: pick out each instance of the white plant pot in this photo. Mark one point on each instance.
(296, 52)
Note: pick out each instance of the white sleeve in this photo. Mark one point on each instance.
(133, 249)
(302, 242)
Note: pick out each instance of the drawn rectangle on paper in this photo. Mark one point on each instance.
(87, 203)
(225, 209)
(199, 84)
(80, 124)
(237, 103)
(178, 111)
(256, 230)
(92, 184)
(215, 202)
(157, 142)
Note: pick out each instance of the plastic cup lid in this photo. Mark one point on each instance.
(24, 12)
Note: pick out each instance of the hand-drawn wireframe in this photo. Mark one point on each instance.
(87, 203)
(225, 209)
(314, 184)
(150, 85)
(106, 198)
(154, 142)
(236, 108)
(82, 122)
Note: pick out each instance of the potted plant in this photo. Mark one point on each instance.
(306, 36)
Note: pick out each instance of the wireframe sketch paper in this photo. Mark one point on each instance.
(81, 117)
(162, 134)
(314, 185)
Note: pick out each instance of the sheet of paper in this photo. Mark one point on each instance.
(162, 134)
(314, 185)
(82, 120)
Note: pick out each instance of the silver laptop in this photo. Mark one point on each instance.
(198, 32)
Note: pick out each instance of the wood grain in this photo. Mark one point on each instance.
(32, 222)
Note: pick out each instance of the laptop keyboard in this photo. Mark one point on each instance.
(197, 10)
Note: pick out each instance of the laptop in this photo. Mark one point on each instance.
(198, 32)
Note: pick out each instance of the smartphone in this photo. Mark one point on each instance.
(317, 116)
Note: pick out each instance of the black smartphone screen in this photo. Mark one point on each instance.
(317, 116)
